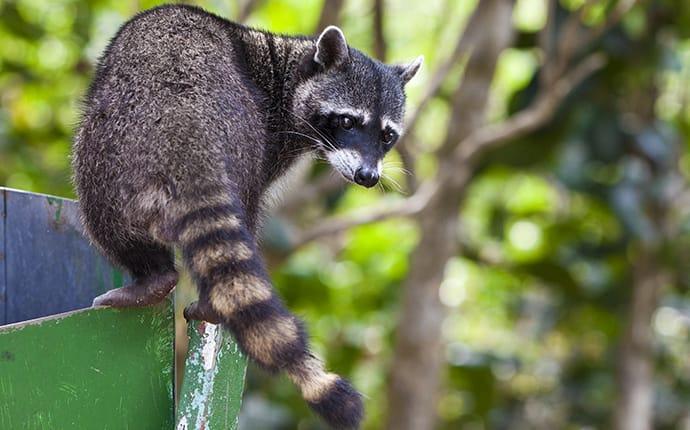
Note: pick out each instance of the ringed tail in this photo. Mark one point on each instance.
(222, 257)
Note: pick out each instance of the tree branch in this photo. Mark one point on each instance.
(622, 7)
(402, 208)
(571, 45)
(529, 119)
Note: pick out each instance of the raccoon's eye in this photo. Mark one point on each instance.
(388, 136)
(346, 122)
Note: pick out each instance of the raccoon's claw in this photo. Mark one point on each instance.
(142, 292)
(199, 312)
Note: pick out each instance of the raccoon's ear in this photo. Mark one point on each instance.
(407, 71)
(331, 48)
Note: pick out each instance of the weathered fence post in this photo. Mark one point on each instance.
(211, 392)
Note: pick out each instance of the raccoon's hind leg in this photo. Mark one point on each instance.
(202, 312)
(153, 269)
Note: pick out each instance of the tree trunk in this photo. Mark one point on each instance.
(247, 8)
(380, 47)
(413, 388)
(330, 14)
(418, 358)
(634, 405)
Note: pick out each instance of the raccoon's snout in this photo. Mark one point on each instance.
(351, 164)
(366, 177)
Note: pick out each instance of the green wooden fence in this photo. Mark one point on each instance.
(95, 368)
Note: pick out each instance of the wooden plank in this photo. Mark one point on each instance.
(211, 393)
(50, 265)
(3, 279)
(93, 369)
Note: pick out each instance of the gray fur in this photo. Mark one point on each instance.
(189, 120)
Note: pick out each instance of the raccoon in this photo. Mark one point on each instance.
(189, 120)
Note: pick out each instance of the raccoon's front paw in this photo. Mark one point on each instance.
(198, 312)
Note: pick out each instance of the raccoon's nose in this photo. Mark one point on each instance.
(366, 177)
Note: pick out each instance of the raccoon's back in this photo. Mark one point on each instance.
(168, 48)
(172, 57)
(166, 95)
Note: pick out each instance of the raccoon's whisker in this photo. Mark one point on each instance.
(394, 167)
(381, 185)
(318, 157)
(397, 164)
(306, 122)
(393, 182)
(293, 153)
(327, 147)
(300, 134)
(395, 186)
(397, 169)
(326, 142)
(330, 144)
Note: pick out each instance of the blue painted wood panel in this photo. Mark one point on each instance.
(3, 301)
(50, 265)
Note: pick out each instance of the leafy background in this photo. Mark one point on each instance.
(556, 226)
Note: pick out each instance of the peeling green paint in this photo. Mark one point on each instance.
(117, 278)
(211, 393)
(55, 201)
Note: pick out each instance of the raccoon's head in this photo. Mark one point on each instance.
(351, 105)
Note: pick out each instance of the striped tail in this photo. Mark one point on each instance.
(221, 254)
